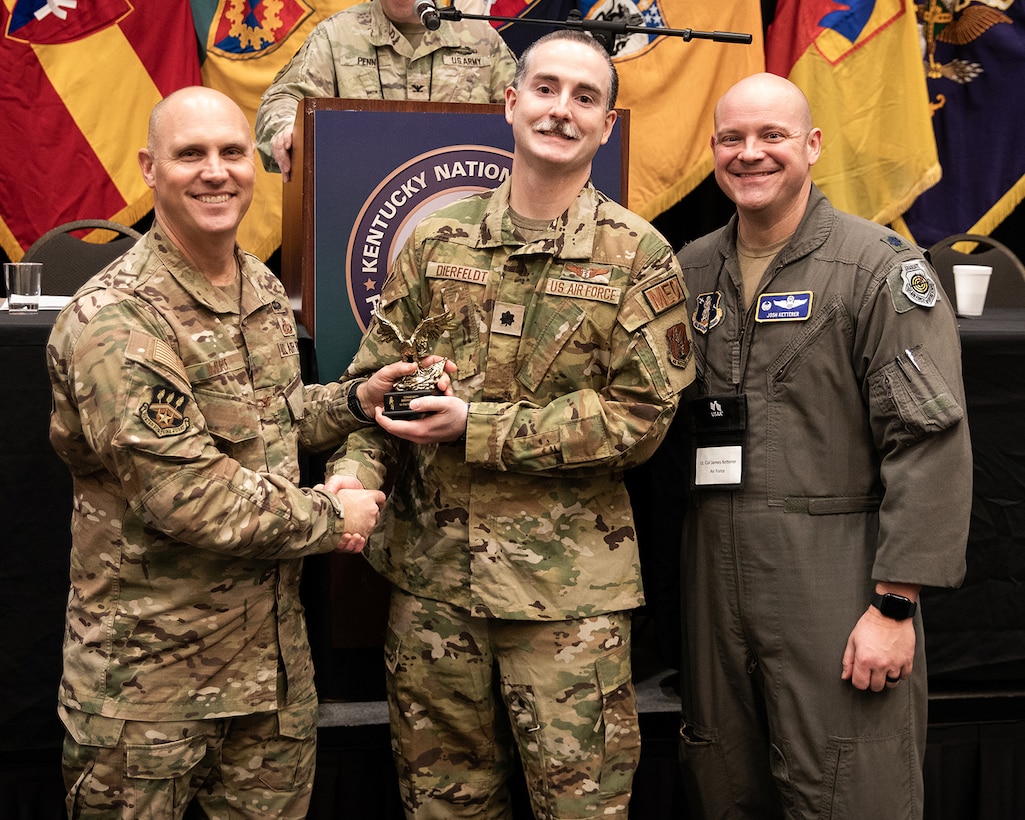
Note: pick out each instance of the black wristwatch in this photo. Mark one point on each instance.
(894, 606)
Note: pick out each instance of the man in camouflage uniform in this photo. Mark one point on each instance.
(380, 50)
(508, 535)
(178, 407)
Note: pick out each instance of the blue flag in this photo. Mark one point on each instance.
(975, 66)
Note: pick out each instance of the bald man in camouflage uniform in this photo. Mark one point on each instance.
(178, 407)
(508, 536)
(381, 51)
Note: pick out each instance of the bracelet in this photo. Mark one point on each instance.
(352, 399)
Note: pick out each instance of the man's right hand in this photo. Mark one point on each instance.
(281, 150)
(361, 508)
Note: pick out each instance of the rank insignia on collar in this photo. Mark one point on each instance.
(784, 307)
(895, 242)
(165, 414)
(708, 313)
(918, 284)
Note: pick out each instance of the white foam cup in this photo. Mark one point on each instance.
(970, 284)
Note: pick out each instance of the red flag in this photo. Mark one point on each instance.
(77, 83)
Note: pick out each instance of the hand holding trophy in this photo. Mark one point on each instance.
(414, 348)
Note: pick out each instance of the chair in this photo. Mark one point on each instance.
(69, 262)
(1006, 284)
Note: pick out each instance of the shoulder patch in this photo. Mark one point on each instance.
(142, 347)
(918, 285)
(708, 311)
(678, 347)
(165, 414)
(664, 294)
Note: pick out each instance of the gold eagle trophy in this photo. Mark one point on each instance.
(424, 382)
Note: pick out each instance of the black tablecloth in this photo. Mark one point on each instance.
(35, 511)
(977, 633)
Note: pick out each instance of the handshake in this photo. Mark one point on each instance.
(362, 507)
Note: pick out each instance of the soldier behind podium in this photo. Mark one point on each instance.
(178, 407)
(381, 50)
(508, 536)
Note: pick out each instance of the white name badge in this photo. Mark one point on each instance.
(718, 466)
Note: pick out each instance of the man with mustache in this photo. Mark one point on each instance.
(831, 476)
(508, 535)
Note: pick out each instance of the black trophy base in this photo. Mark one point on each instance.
(396, 403)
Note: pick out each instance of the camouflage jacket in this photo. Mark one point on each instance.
(359, 53)
(571, 351)
(180, 420)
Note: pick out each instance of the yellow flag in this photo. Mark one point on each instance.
(861, 69)
(671, 86)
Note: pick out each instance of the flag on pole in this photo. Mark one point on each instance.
(77, 83)
(671, 86)
(859, 63)
(975, 62)
(246, 43)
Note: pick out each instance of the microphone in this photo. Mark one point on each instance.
(428, 14)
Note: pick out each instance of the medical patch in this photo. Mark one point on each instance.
(708, 313)
(165, 415)
(784, 307)
(918, 285)
(663, 295)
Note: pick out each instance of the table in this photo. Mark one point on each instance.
(35, 508)
(975, 635)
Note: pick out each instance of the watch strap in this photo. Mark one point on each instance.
(894, 606)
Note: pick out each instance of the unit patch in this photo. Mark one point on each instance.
(678, 345)
(709, 311)
(918, 284)
(784, 307)
(165, 415)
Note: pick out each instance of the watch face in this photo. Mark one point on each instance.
(895, 606)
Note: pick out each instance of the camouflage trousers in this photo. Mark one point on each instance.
(238, 767)
(465, 692)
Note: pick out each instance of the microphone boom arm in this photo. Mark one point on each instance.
(574, 20)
